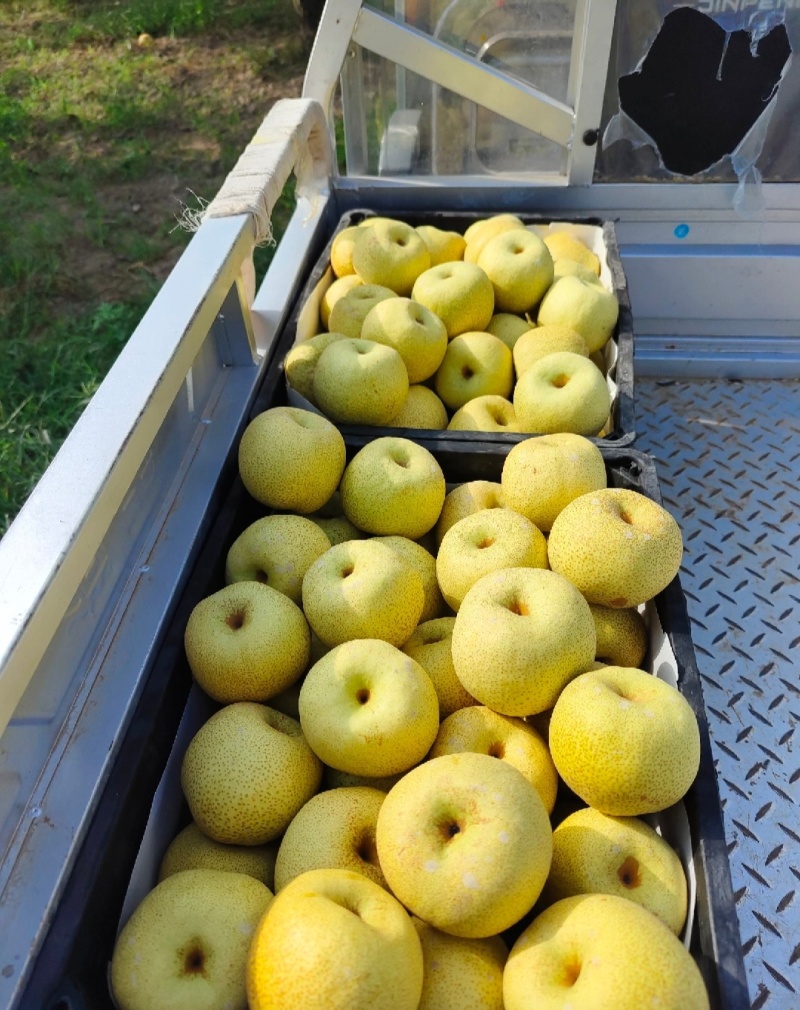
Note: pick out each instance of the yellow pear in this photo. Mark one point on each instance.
(460, 974)
(479, 730)
(276, 550)
(465, 843)
(460, 294)
(625, 741)
(565, 246)
(338, 529)
(360, 382)
(422, 409)
(561, 392)
(484, 542)
(444, 246)
(430, 646)
(485, 413)
(192, 850)
(342, 252)
(621, 636)
(369, 709)
(291, 459)
(246, 642)
(468, 498)
(390, 253)
(474, 364)
(520, 268)
(597, 854)
(508, 327)
(334, 940)
(619, 547)
(418, 336)
(585, 306)
(348, 312)
(301, 362)
(337, 290)
(246, 773)
(393, 487)
(362, 589)
(542, 475)
(481, 232)
(424, 564)
(334, 830)
(607, 953)
(544, 340)
(520, 635)
(186, 944)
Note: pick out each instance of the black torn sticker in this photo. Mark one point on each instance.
(700, 89)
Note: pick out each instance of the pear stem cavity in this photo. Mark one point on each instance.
(628, 873)
(194, 959)
(236, 620)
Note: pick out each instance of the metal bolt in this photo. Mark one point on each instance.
(590, 137)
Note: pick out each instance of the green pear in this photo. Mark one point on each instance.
(561, 392)
(460, 294)
(520, 268)
(475, 364)
(186, 944)
(360, 382)
(585, 306)
(418, 336)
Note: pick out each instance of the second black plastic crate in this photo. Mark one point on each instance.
(619, 351)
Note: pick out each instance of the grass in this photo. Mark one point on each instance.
(111, 115)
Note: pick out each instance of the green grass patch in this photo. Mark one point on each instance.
(103, 135)
(44, 387)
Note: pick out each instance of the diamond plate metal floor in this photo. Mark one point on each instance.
(728, 459)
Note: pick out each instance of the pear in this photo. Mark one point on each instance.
(632, 960)
(485, 413)
(460, 294)
(422, 409)
(186, 944)
(444, 246)
(335, 939)
(291, 459)
(192, 850)
(334, 830)
(585, 306)
(360, 382)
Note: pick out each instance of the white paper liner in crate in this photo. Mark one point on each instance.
(164, 820)
(309, 323)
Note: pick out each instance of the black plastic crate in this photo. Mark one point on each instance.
(274, 392)
(71, 970)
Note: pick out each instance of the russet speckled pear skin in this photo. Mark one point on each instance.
(460, 974)
(246, 773)
(521, 634)
(617, 546)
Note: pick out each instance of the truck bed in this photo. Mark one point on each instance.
(728, 459)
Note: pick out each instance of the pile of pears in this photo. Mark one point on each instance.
(501, 329)
(430, 778)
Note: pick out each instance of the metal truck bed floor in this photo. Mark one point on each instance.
(728, 458)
